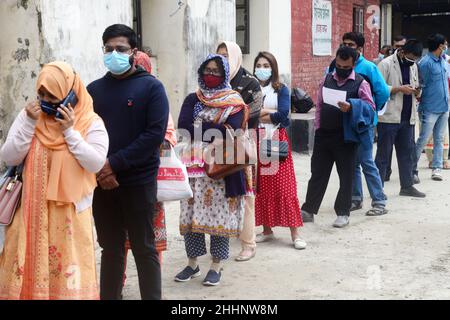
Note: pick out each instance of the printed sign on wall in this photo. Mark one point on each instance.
(321, 28)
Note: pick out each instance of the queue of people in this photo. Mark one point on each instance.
(109, 139)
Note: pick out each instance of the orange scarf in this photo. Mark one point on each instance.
(223, 100)
(68, 182)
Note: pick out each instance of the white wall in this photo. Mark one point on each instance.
(163, 33)
(259, 31)
(36, 32)
(19, 59)
(206, 23)
(181, 42)
(280, 36)
(73, 30)
(270, 30)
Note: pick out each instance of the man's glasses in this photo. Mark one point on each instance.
(119, 49)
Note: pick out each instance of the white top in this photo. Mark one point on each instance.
(270, 97)
(271, 103)
(90, 152)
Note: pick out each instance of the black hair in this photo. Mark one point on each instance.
(346, 53)
(399, 38)
(435, 40)
(413, 46)
(357, 37)
(120, 30)
(222, 46)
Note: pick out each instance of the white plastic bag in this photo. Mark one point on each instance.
(173, 181)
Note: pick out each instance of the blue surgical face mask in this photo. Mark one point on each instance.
(117, 63)
(263, 74)
(49, 108)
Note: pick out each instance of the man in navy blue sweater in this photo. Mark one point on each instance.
(135, 109)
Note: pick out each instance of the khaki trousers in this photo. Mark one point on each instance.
(248, 235)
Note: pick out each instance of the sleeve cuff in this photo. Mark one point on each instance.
(272, 118)
(116, 163)
(69, 132)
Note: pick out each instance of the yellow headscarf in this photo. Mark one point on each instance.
(68, 182)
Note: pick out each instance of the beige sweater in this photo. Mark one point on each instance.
(392, 74)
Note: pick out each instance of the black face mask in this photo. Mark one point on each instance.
(343, 73)
(407, 63)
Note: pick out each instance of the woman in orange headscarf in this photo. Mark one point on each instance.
(49, 247)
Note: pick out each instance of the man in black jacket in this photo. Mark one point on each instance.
(135, 109)
(248, 86)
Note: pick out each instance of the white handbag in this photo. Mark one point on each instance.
(173, 180)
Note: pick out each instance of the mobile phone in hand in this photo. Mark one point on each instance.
(71, 99)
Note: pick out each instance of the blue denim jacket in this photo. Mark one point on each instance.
(434, 82)
(358, 123)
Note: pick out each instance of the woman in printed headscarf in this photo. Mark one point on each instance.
(49, 247)
(217, 205)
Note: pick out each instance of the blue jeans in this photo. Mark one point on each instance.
(364, 159)
(432, 124)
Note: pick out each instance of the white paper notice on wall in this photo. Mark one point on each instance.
(322, 27)
(333, 97)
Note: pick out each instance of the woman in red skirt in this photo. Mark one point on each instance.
(277, 203)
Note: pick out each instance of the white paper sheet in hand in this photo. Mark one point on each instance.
(333, 97)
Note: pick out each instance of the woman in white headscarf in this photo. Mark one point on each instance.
(248, 86)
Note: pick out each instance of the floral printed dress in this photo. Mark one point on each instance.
(209, 211)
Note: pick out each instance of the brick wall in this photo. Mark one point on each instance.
(308, 70)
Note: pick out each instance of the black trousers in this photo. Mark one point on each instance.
(330, 148)
(402, 136)
(116, 212)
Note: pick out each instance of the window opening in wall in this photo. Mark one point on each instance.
(243, 25)
(358, 19)
(137, 21)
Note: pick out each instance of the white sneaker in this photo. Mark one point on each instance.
(436, 175)
(299, 244)
(341, 222)
(264, 237)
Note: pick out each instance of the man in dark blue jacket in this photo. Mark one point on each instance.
(135, 109)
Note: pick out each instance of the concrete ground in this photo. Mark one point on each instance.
(402, 255)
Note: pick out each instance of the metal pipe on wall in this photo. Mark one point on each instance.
(138, 21)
